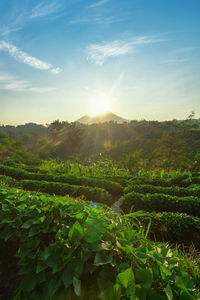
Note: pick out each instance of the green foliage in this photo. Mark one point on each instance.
(133, 161)
(97, 168)
(59, 257)
(13, 150)
(172, 190)
(161, 202)
(163, 178)
(171, 227)
(62, 189)
(112, 187)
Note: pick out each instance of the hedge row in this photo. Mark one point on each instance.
(62, 189)
(160, 202)
(113, 188)
(182, 180)
(172, 190)
(65, 249)
(171, 227)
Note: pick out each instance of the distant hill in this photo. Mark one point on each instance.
(106, 117)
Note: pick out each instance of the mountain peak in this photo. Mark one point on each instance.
(101, 118)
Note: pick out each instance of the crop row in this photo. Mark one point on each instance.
(66, 249)
(172, 190)
(176, 228)
(181, 181)
(122, 180)
(160, 202)
(113, 188)
(62, 189)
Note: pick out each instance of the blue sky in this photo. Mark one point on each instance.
(58, 57)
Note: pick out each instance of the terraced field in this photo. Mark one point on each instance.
(61, 239)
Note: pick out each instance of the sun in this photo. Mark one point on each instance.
(101, 104)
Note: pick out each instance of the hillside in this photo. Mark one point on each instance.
(101, 118)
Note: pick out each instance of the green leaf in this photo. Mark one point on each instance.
(140, 292)
(93, 230)
(76, 232)
(77, 286)
(127, 280)
(22, 206)
(102, 258)
(165, 272)
(40, 267)
(155, 296)
(186, 296)
(144, 277)
(168, 292)
(45, 254)
(33, 231)
(53, 286)
(27, 224)
(67, 276)
(28, 283)
(109, 291)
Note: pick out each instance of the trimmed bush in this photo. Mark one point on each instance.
(66, 249)
(173, 190)
(160, 202)
(55, 188)
(171, 227)
(182, 180)
(62, 189)
(113, 188)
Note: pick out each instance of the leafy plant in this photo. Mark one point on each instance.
(67, 249)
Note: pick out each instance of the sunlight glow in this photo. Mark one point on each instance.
(101, 104)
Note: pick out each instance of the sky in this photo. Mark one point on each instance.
(60, 59)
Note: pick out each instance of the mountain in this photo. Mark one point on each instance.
(102, 118)
(85, 119)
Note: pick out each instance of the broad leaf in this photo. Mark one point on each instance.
(127, 280)
(77, 286)
(76, 232)
(28, 283)
(144, 277)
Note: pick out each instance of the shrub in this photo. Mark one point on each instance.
(68, 250)
(55, 188)
(160, 202)
(171, 227)
(172, 190)
(112, 187)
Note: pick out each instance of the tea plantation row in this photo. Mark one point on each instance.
(68, 249)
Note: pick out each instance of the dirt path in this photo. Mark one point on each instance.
(116, 206)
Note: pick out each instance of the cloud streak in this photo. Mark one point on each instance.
(27, 59)
(43, 10)
(99, 53)
(99, 3)
(11, 83)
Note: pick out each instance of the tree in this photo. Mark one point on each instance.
(133, 161)
(171, 150)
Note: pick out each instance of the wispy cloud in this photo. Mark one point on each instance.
(98, 3)
(20, 15)
(99, 53)
(43, 9)
(95, 20)
(6, 30)
(11, 83)
(179, 55)
(27, 59)
(183, 50)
